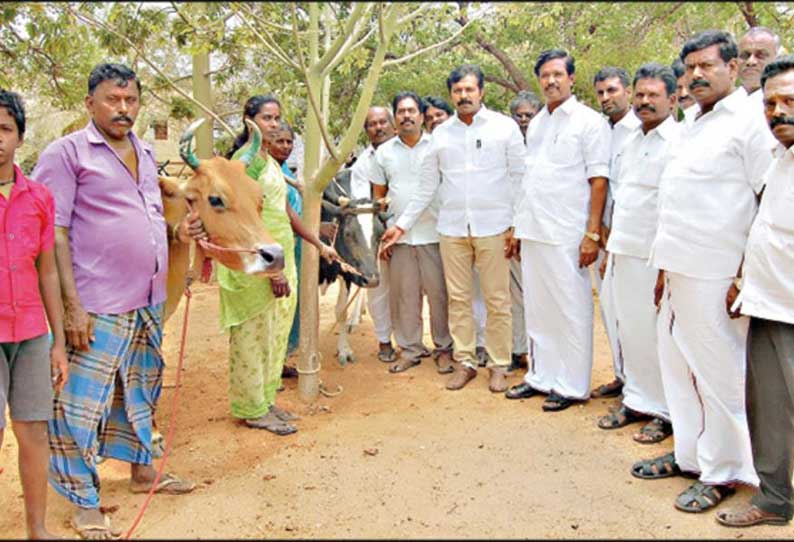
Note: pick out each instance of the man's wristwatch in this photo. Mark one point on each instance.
(592, 236)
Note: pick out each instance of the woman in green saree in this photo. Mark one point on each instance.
(258, 311)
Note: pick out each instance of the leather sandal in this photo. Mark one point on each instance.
(621, 417)
(654, 469)
(403, 364)
(700, 497)
(749, 515)
(555, 402)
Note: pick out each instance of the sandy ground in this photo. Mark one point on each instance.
(394, 456)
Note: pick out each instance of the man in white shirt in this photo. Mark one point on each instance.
(688, 108)
(475, 161)
(645, 153)
(558, 222)
(415, 261)
(613, 92)
(379, 127)
(707, 203)
(767, 297)
(757, 48)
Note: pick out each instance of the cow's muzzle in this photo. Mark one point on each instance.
(269, 259)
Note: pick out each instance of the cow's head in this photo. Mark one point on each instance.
(352, 242)
(229, 204)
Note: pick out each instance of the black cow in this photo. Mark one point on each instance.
(356, 247)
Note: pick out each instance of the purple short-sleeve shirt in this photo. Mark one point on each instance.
(117, 233)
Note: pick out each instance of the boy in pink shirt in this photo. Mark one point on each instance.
(29, 367)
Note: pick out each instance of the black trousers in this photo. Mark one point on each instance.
(770, 412)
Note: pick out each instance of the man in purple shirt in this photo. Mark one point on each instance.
(111, 248)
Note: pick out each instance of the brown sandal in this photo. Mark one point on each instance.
(403, 364)
(654, 431)
(749, 515)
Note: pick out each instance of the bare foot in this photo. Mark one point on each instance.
(91, 524)
(142, 476)
(42, 533)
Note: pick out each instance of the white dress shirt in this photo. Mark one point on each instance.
(475, 169)
(361, 174)
(565, 149)
(620, 131)
(768, 290)
(398, 166)
(755, 101)
(636, 205)
(708, 190)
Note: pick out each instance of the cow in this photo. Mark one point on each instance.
(229, 204)
(356, 247)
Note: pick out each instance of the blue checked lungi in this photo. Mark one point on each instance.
(107, 405)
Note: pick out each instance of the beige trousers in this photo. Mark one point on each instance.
(487, 255)
(416, 270)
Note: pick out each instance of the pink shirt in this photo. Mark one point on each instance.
(26, 230)
(117, 233)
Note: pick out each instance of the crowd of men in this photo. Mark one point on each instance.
(497, 221)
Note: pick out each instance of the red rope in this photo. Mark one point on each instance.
(171, 423)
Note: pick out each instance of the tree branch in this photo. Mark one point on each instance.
(310, 87)
(748, 12)
(98, 24)
(265, 22)
(342, 54)
(502, 82)
(348, 35)
(274, 48)
(406, 58)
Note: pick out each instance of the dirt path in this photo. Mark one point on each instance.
(393, 456)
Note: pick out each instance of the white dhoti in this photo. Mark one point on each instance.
(378, 297)
(558, 310)
(480, 312)
(604, 287)
(633, 282)
(702, 360)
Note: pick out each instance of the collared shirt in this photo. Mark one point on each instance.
(620, 131)
(708, 191)
(768, 290)
(476, 170)
(755, 100)
(636, 205)
(361, 174)
(26, 230)
(117, 233)
(690, 113)
(566, 148)
(398, 166)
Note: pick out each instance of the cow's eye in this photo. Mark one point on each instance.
(216, 202)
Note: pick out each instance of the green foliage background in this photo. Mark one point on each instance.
(47, 52)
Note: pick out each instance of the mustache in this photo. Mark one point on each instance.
(647, 107)
(406, 121)
(118, 118)
(699, 83)
(465, 102)
(780, 121)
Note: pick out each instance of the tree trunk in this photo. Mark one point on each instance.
(202, 91)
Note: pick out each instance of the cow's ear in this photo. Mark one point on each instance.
(170, 187)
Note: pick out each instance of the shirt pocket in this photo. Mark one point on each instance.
(491, 154)
(564, 149)
(782, 211)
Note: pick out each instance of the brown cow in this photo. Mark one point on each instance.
(229, 204)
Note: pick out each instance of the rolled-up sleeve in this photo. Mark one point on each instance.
(596, 148)
(55, 170)
(758, 153)
(428, 185)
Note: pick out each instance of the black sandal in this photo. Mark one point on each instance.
(665, 468)
(555, 403)
(654, 431)
(621, 417)
(700, 497)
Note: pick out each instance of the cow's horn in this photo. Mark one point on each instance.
(186, 144)
(255, 141)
